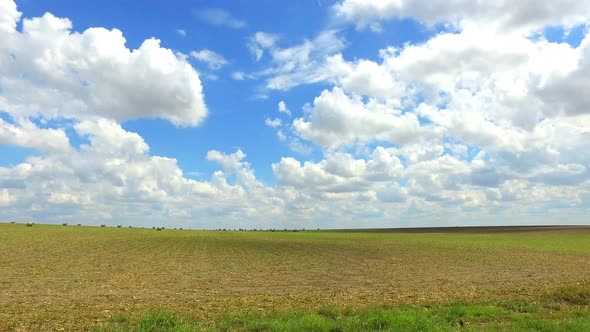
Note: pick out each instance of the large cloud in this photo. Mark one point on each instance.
(513, 97)
(483, 117)
(339, 172)
(439, 184)
(51, 71)
(522, 16)
(113, 178)
(338, 119)
(560, 91)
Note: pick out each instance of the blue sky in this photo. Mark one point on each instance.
(395, 113)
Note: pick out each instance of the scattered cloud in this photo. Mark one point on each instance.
(261, 41)
(283, 108)
(219, 17)
(273, 123)
(239, 75)
(299, 64)
(181, 32)
(213, 60)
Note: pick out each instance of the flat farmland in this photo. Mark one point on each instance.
(83, 278)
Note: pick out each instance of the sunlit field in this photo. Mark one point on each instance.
(107, 278)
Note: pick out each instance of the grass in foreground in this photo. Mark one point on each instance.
(564, 309)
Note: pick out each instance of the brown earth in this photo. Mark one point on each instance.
(67, 277)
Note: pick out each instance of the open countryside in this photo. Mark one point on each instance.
(56, 277)
(289, 166)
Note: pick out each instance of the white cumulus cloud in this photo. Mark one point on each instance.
(51, 71)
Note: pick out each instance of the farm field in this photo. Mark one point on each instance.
(105, 279)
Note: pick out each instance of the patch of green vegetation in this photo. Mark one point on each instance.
(154, 321)
(576, 295)
(452, 317)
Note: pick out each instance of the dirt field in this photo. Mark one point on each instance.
(72, 278)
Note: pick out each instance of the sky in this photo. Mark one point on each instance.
(295, 114)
